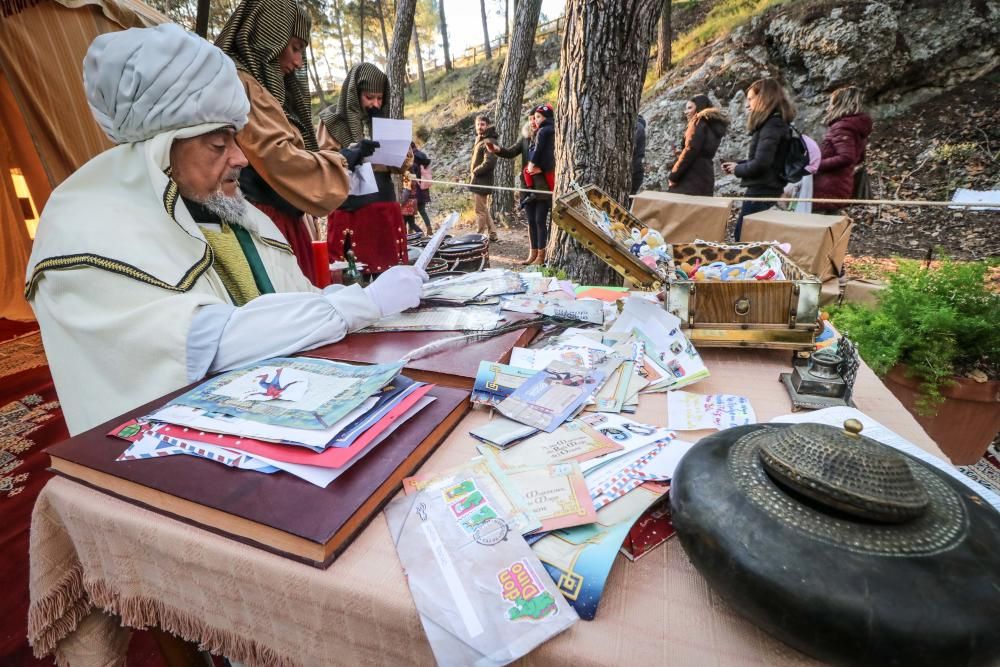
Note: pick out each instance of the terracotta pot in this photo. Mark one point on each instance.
(967, 421)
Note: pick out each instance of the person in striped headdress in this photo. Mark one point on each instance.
(290, 172)
(374, 221)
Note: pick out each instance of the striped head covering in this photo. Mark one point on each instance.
(348, 122)
(254, 37)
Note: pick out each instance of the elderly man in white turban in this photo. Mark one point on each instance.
(149, 270)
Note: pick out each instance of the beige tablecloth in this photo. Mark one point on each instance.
(91, 552)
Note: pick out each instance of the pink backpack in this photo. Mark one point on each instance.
(425, 176)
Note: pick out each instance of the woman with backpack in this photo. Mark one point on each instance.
(763, 172)
(421, 171)
(539, 175)
(694, 173)
(842, 148)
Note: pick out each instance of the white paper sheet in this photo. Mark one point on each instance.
(363, 180)
(427, 254)
(693, 412)
(394, 137)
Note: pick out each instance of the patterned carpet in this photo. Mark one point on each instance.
(30, 421)
(987, 470)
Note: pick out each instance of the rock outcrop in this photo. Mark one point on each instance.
(901, 52)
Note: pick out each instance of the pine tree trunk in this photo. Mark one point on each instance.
(420, 64)
(396, 69)
(381, 22)
(510, 96)
(663, 39)
(361, 27)
(444, 37)
(506, 21)
(338, 15)
(486, 32)
(605, 50)
(315, 76)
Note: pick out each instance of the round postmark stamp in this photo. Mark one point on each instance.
(490, 532)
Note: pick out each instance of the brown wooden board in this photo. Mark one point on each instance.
(278, 512)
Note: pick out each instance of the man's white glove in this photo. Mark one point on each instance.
(397, 289)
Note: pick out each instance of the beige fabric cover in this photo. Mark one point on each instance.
(683, 218)
(819, 242)
(863, 291)
(90, 551)
(101, 322)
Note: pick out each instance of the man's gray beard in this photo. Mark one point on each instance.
(232, 210)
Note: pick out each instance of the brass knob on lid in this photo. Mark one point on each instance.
(853, 427)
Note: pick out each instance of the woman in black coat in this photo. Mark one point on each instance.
(762, 173)
(521, 148)
(539, 175)
(694, 171)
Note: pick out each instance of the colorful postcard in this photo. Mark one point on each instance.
(579, 559)
(495, 382)
(630, 434)
(483, 598)
(694, 412)
(505, 496)
(557, 494)
(332, 390)
(573, 441)
(552, 395)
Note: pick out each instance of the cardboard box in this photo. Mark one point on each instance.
(863, 291)
(829, 294)
(683, 218)
(819, 242)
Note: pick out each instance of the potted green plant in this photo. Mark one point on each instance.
(934, 337)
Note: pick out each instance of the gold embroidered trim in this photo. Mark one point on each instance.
(277, 244)
(187, 281)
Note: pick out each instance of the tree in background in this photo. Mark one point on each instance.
(663, 37)
(380, 6)
(338, 15)
(444, 36)
(396, 69)
(420, 63)
(486, 31)
(605, 51)
(510, 99)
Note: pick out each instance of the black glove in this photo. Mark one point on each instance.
(355, 153)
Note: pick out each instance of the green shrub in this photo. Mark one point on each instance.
(938, 322)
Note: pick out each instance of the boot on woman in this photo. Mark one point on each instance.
(539, 258)
(530, 259)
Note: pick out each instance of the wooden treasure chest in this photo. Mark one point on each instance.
(779, 314)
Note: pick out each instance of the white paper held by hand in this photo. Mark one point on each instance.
(432, 246)
(394, 137)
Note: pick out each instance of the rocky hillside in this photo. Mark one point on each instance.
(929, 68)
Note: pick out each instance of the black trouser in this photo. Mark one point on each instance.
(411, 224)
(422, 210)
(538, 220)
(751, 207)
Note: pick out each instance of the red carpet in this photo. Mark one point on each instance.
(30, 421)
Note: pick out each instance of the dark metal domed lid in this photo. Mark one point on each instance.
(845, 471)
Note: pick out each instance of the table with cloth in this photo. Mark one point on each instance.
(93, 555)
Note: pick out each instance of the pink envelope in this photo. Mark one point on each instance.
(333, 457)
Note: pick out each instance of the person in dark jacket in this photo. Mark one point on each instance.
(694, 171)
(421, 191)
(762, 173)
(540, 176)
(481, 173)
(638, 154)
(521, 148)
(842, 148)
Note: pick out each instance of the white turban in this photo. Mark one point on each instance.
(144, 81)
